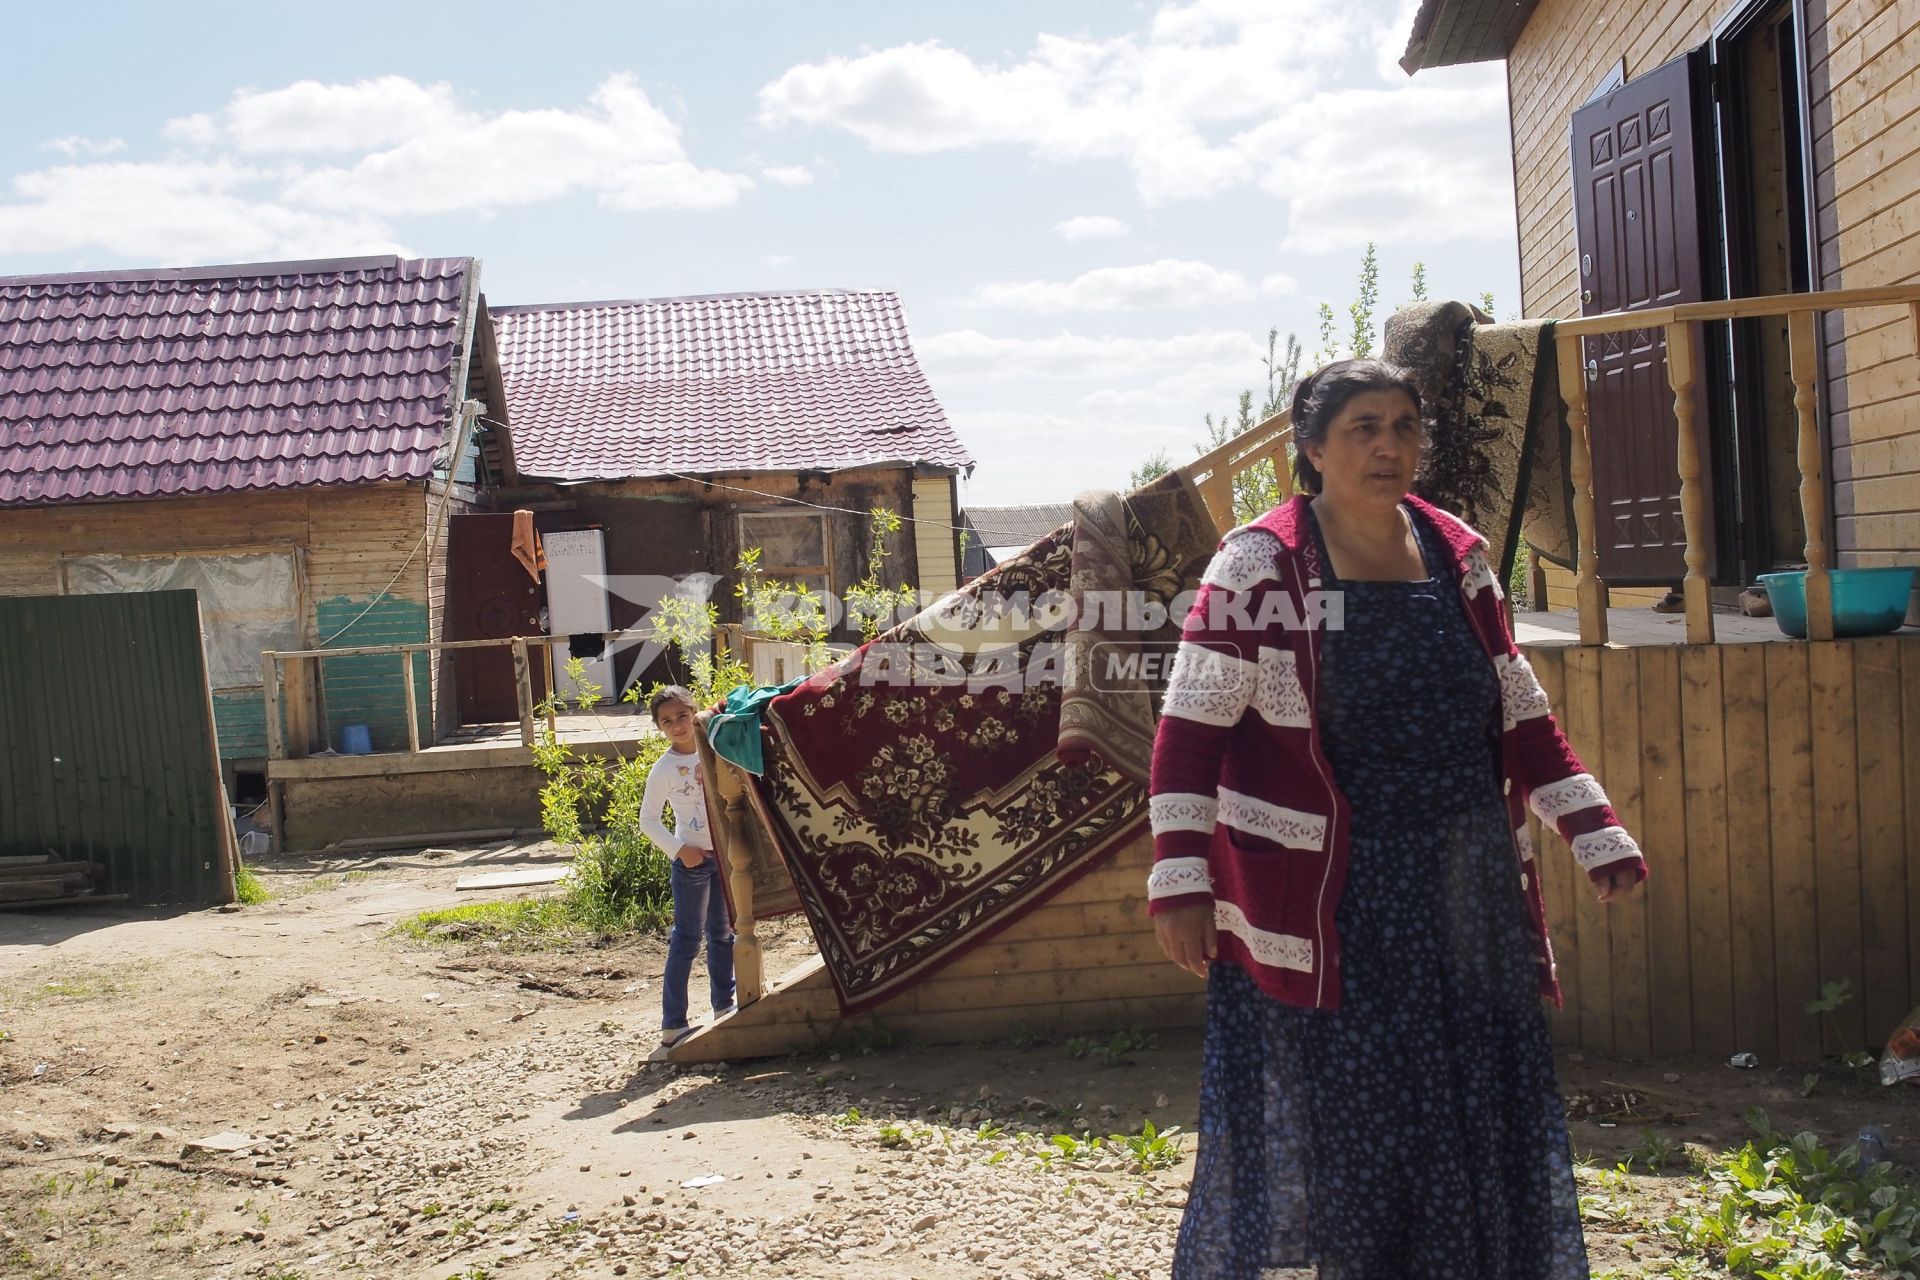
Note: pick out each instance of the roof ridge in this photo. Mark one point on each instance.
(229, 271)
(739, 296)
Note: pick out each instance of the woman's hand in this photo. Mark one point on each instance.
(1617, 887)
(692, 855)
(1186, 934)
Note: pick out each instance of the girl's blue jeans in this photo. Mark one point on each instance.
(698, 906)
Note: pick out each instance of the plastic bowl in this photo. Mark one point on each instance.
(1866, 602)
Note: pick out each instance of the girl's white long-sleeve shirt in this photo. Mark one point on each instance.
(674, 780)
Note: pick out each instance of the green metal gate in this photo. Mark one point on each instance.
(106, 747)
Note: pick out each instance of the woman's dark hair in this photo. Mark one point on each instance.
(1320, 396)
(669, 693)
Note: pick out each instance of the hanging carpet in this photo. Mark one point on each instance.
(943, 780)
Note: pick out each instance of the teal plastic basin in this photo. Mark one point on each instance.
(1866, 602)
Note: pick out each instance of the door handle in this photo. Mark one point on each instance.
(1593, 371)
(1586, 297)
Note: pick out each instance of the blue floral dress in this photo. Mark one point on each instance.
(1417, 1130)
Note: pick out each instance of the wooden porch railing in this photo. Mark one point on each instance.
(1800, 310)
(1215, 471)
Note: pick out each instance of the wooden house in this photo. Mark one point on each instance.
(289, 439)
(686, 429)
(996, 534)
(1679, 151)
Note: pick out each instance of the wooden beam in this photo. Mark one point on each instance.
(1779, 304)
(1693, 507)
(297, 677)
(413, 711)
(736, 849)
(270, 692)
(523, 689)
(1803, 355)
(1589, 591)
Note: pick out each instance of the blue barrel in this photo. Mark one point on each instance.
(355, 739)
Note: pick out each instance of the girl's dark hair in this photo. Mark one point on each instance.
(669, 693)
(1319, 397)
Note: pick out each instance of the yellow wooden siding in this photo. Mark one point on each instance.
(933, 537)
(1867, 112)
(355, 544)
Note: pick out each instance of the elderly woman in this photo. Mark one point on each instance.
(1349, 742)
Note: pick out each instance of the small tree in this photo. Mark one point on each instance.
(1147, 472)
(870, 603)
(1361, 309)
(1419, 282)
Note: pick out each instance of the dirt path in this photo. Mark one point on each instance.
(431, 1112)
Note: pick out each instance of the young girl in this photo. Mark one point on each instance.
(698, 902)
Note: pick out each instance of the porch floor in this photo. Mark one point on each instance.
(622, 724)
(1640, 625)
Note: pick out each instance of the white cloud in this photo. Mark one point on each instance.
(245, 184)
(1091, 226)
(1049, 457)
(968, 354)
(789, 175)
(75, 146)
(1213, 95)
(1168, 282)
(1425, 162)
(176, 213)
(1147, 100)
(626, 151)
(1279, 285)
(777, 261)
(310, 116)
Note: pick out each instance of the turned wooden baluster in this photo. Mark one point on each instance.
(1803, 352)
(1590, 593)
(1693, 505)
(736, 848)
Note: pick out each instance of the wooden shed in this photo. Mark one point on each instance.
(287, 439)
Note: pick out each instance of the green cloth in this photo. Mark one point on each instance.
(734, 730)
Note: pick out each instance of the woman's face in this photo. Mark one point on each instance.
(1371, 449)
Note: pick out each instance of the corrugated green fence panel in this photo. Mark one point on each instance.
(104, 751)
(369, 688)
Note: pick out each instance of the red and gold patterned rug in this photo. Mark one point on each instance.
(943, 780)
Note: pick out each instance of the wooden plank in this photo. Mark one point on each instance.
(1703, 748)
(1802, 343)
(1886, 997)
(1594, 928)
(270, 692)
(1662, 832)
(1836, 830)
(1056, 954)
(1620, 765)
(1910, 766)
(1796, 932)
(1756, 1019)
(1557, 872)
(1011, 991)
(412, 698)
(523, 689)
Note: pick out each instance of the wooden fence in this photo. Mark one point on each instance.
(1776, 791)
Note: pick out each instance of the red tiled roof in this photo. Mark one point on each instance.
(737, 382)
(204, 380)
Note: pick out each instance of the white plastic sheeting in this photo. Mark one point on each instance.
(249, 602)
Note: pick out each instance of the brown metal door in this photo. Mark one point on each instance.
(489, 595)
(1637, 218)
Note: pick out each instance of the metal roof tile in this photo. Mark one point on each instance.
(206, 380)
(606, 390)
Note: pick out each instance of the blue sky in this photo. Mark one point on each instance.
(1093, 212)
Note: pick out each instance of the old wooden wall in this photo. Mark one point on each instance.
(1776, 791)
(1864, 73)
(353, 542)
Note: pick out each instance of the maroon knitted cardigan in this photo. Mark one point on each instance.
(1246, 814)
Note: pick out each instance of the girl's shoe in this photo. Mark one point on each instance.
(671, 1036)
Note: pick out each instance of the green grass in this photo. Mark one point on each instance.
(83, 985)
(523, 924)
(248, 887)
